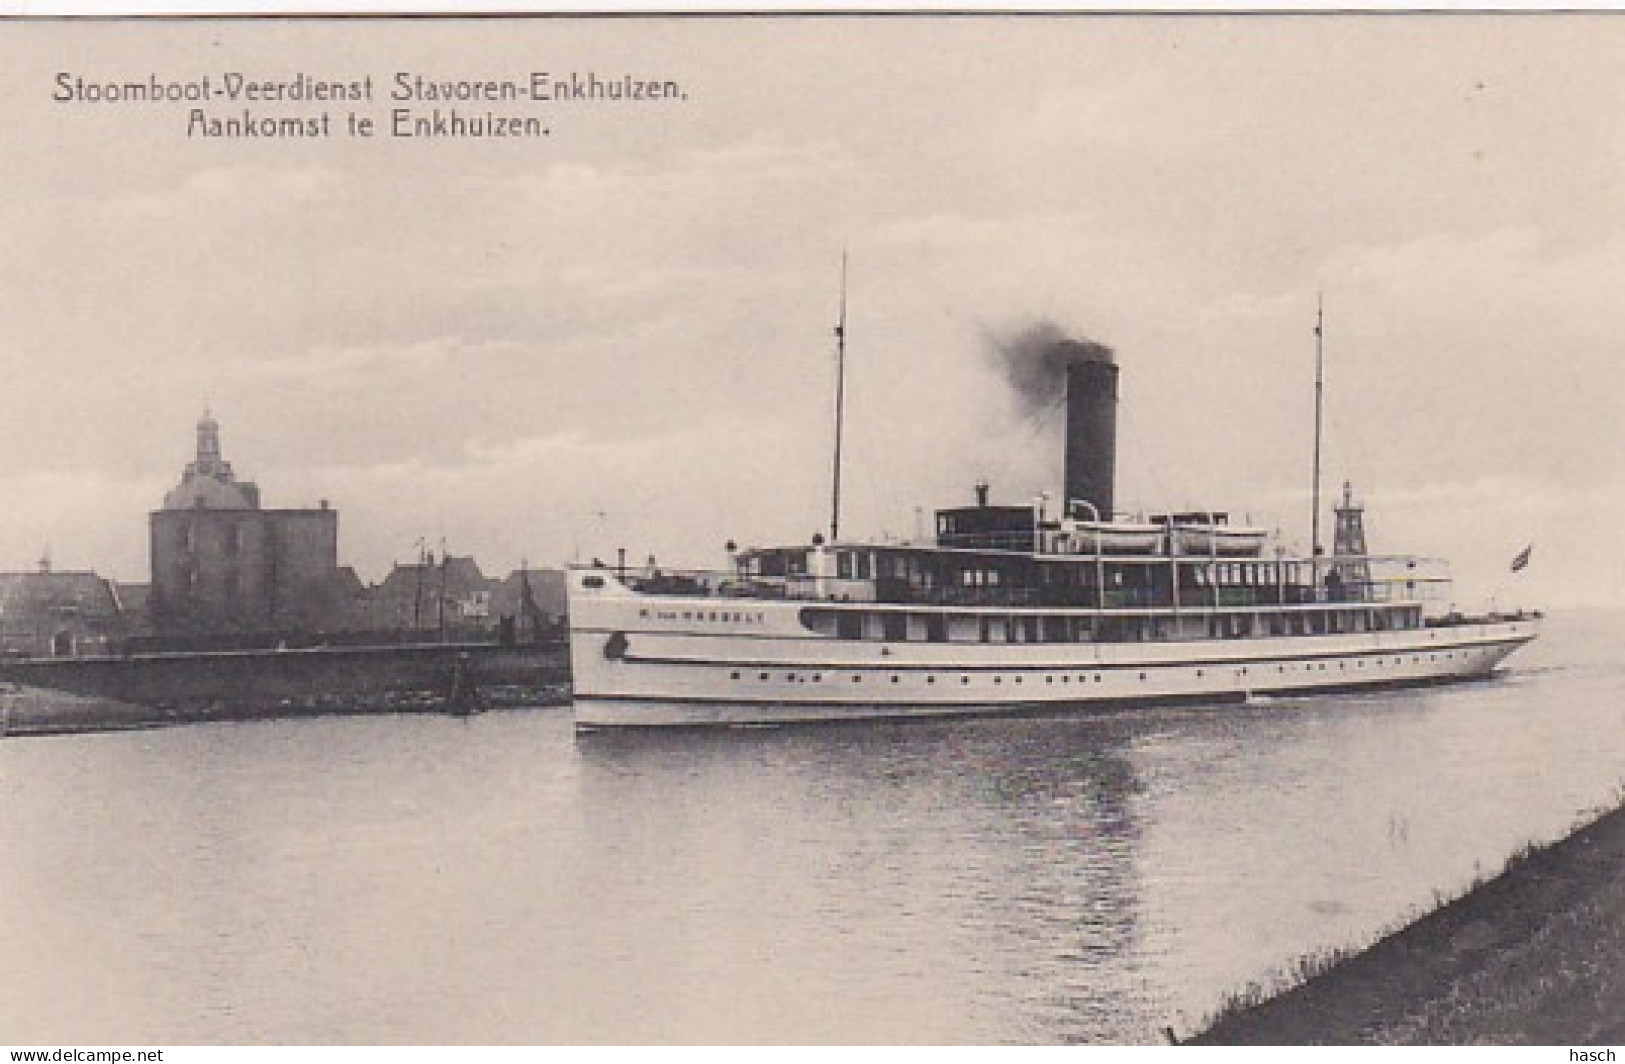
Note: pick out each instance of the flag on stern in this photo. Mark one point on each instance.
(1522, 558)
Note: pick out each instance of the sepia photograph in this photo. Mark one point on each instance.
(779, 529)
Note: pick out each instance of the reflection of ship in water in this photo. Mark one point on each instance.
(1016, 606)
(1008, 849)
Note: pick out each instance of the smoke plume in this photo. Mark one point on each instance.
(1034, 363)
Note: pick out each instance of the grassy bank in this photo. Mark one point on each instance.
(1535, 955)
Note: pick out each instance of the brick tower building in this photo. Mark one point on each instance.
(223, 564)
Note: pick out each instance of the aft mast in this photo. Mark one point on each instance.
(1314, 520)
(840, 408)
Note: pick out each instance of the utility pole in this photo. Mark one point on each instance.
(442, 590)
(417, 589)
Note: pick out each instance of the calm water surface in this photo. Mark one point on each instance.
(1039, 880)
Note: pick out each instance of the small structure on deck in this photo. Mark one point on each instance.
(1349, 555)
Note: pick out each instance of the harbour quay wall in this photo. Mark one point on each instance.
(385, 678)
(36, 711)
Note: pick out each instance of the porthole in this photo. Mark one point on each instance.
(733, 676)
(894, 679)
(964, 679)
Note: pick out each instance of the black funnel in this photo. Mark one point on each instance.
(1091, 432)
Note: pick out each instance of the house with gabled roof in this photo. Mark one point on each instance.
(46, 613)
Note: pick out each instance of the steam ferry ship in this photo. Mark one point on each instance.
(1013, 608)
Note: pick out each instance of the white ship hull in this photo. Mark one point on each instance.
(650, 660)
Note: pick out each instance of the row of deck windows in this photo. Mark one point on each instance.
(924, 572)
(899, 627)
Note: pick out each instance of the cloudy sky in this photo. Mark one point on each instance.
(620, 334)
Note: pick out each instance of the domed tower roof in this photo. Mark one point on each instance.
(208, 445)
(209, 482)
